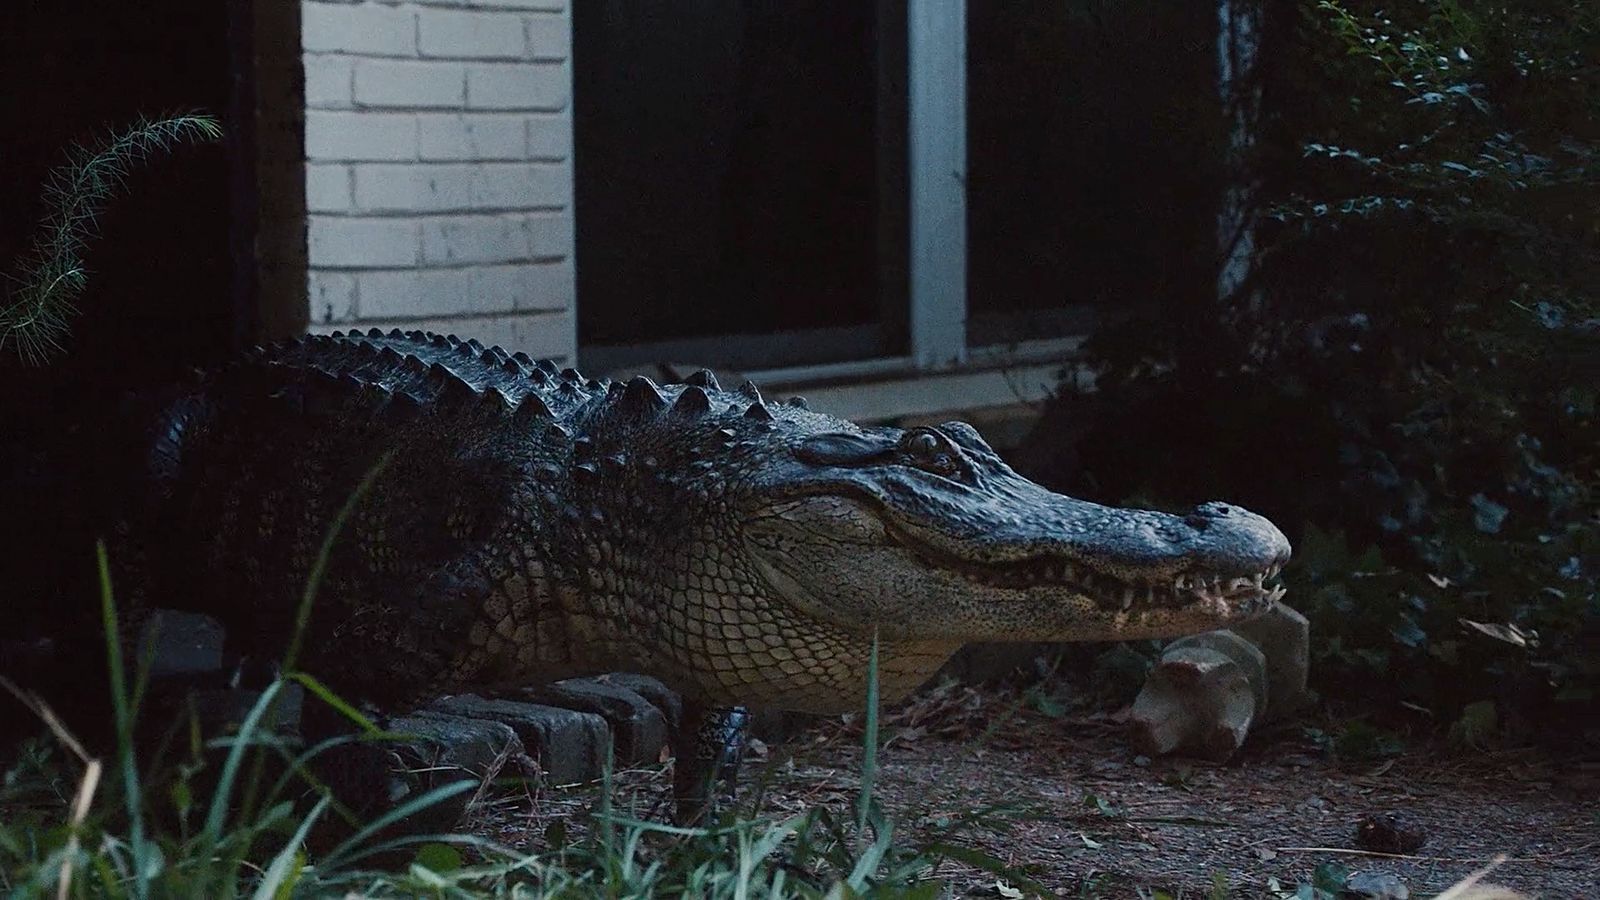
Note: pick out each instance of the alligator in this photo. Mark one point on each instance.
(503, 521)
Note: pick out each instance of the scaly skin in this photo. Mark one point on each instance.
(532, 525)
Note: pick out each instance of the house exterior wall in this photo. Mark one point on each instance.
(438, 169)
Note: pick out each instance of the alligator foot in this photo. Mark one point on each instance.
(710, 746)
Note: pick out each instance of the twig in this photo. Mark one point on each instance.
(1349, 851)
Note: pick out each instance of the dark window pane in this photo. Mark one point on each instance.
(1091, 180)
(728, 165)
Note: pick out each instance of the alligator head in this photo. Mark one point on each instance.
(926, 534)
(781, 542)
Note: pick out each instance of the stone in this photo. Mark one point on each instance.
(1376, 886)
(181, 643)
(660, 696)
(222, 710)
(570, 746)
(638, 727)
(436, 749)
(1283, 636)
(1202, 697)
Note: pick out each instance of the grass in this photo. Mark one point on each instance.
(207, 821)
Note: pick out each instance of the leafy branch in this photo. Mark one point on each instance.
(40, 295)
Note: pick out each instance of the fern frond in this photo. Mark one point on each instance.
(40, 295)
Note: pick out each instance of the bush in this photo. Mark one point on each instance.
(1408, 378)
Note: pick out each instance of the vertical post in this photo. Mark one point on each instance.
(937, 36)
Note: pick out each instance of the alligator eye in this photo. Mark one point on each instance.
(930, 451)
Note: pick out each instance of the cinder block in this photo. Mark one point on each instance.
(570, 746)
(336, 242)
(457, 136)
(470, 34)
(360, 136)
(541, 86)
(366, 28)
(409, 84)
(638, 727)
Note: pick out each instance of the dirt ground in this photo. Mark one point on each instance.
(1088, 818)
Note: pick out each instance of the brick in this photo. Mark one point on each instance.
(327, 187)
(420, 188)
(447, 136)
(470, 34)
(411, 84)
(336, 242)
(449, 187)
(328, 81)
(441, 749)
(533, 86)
(531, 287)
(550, 235)
(476, 239)
(465, 291)
(415, 293)
(549, 137)
(360, 136)
(540, 285)
(639, 728)
(332, 295)
(549, 37)
(365, 29)
(570, 746)
(538, 5)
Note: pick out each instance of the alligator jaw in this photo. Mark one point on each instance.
(1215, 589)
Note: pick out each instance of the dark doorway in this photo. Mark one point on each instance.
(170, 273)
(739, 180)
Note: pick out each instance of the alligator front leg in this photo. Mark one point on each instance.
(709, 748)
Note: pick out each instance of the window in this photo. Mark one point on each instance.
(739, 181)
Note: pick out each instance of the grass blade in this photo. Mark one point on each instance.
(230, 768)
(869, 739)
(122, 710)
(411, 807)
(278, 879)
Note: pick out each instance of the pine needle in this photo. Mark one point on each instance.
(41, 293)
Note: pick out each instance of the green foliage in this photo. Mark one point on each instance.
(42, 289)
(1413, 366)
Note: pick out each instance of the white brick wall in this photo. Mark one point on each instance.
(438, 145)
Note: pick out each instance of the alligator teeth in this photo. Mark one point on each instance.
(1277, 593)
(1127, 598)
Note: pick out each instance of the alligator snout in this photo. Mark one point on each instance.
(1231, 539)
